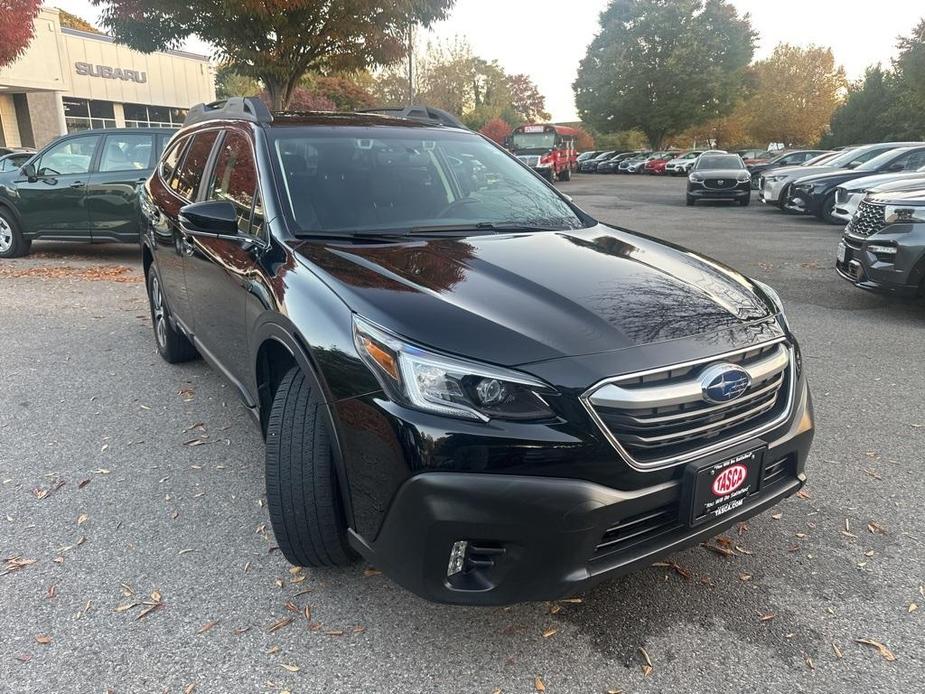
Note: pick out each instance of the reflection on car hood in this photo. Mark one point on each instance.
(868, 182)
(916, 183)
(518, 298)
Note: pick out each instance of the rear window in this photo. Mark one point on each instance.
(356, 180)
(720, 161)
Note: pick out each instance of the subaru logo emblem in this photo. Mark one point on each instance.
(721, 383)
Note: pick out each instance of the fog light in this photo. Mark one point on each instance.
(457, 557)
(886, 250)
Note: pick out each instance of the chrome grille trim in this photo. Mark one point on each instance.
(685, 456)
(867, 220)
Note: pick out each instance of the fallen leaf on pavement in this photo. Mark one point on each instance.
(647, 667)
(16, 563)
(43, 639)
(838, 653)
(290, 668)
(876, 528)
(279, 624)
(538, 684)
(205, 627)
(550, 631)
(885, 652)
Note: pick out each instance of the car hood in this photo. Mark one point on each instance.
(912, 197)
(798, 171)
(832, 177)
(868, 182)
(518, 298)
(916, 183)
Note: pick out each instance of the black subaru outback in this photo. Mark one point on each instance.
(461, 376)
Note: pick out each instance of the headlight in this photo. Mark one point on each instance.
(695, 178)
(743, 177)
(446, 385)
(773, 179)
(900, 214)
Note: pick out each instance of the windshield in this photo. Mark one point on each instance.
(858, 154)
(881, 160)
(533, 140)
(404, 179)
(605, 155)
(719, 161)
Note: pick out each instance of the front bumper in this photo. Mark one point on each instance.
(901, 274)
(701, 192)
(770, 191)
(802, 201)
(542, 538)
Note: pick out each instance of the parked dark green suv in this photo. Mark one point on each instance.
(81, 187)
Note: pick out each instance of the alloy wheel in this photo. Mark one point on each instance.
(6, 236)
(157, 308)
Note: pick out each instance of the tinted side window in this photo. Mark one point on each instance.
(186, 182)
(170, 161)
(128, 152)
(68, 157)
(235, 178)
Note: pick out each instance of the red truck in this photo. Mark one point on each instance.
(547, 149)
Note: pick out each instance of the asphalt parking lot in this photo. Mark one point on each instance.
(137, 555)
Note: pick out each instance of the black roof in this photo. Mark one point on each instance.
(254, 110)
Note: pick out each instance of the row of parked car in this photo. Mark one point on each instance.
(878, 190)
(673, 162)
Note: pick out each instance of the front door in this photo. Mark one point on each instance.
(125, 163)
(219, 270)
(53, 203)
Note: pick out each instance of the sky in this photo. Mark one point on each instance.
(547, 39)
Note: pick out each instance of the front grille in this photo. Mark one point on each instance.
(720, 183)
(659, 418)
(632, 531)
(869, 219)
(529, 160)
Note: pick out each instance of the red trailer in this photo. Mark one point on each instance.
(547, 149)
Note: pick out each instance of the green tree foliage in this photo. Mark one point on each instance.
(72, 21)
(663, 65)
(276, 41)
(228, 82)
(888, 104)
(344, 91)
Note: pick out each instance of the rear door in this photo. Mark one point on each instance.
(125, 162)
(53, 203)
(220, 271)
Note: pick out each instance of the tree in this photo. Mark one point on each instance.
(663, 65)
(229, 83)
(496, 129)
(584, 141)
(526, 99)
(341, 90)
(17, 27)
(276, 41)
(304, 100)
(796, 92)
(72, 21)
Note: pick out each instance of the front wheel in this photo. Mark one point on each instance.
(302, 491)
(828, 207)
(744, 201)
(12, 242)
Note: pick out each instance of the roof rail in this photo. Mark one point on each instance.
(428, 114)
(248, 108)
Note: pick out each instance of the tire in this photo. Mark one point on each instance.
(825, 211)
(782, 199)
(744, 201)
(302, 490)
(565, 174)
(12, 242)
(691, 200)
(173, 346)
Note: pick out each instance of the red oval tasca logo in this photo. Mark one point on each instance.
(729, 480)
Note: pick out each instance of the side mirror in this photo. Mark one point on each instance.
(211, 218)
(28, 170)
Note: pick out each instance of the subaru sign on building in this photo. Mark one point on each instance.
(70, 80)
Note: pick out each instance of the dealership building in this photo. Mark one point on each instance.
(70, 80)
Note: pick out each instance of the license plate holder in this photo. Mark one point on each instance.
(705, 497)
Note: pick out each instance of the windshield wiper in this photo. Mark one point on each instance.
(478, 226)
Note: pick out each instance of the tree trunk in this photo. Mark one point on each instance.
(276, 90)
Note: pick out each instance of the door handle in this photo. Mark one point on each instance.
(77, 184)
